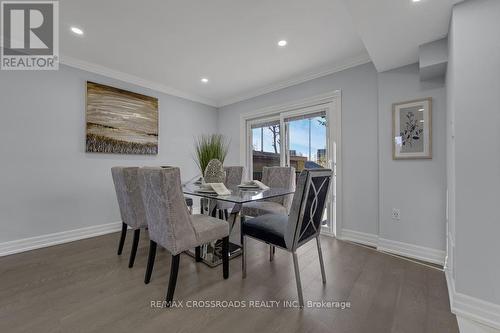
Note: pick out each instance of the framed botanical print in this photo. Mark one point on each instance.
(412, 129)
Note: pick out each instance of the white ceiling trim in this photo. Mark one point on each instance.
(117, 75)
(353, 62)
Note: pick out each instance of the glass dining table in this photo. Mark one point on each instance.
(211, 253)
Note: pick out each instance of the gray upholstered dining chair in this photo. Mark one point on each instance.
(281, 177)
(214, 173)
(302, 225)
(131, 206)
(234, 177)
(189, 201)
(170, 224)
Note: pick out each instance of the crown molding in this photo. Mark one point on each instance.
(129, 78)
(117, 75)
(353, 62)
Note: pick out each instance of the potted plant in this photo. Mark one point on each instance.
(209, 147)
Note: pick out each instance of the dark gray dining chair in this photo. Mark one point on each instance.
(302, 225)
(170, 224)
(279, 177)
(131, 206)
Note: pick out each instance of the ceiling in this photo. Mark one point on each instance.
(169, 45)
(392, 30)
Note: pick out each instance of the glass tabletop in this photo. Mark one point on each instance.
(237, 195)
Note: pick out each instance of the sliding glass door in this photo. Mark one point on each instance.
(306, 145)
(298, 138)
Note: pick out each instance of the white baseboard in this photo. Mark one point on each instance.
(394, 247)
(27, 244)
(469, 326)
(473, 314)
(412, 251)
(359, 237)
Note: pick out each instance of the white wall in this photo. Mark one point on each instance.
(473, 85)
(359, 136)
(416, 187)
(48, 183)
(476, 95)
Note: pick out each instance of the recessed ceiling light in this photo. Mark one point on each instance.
(421, 110)
(204, 80)
(282, 43)
(416, 0)
(77, 31)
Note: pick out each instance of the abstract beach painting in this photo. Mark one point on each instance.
(120, 121)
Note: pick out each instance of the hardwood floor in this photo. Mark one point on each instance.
(85, 287)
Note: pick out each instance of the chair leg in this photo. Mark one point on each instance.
(297, 279)
(202, 206)
(320, 255)
(226, 214)
(151, 261)
(225, 257)
(137, 234)
(197, 253)
(244, 256)
(122, 238)
(272, 250)
(174, 270)
(221, 217)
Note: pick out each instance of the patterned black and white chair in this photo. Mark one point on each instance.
(302, 225)
(170, 224)
(131, 206)
(279, 177)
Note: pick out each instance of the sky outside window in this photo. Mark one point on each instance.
(299, 136)
(267, 136)
(262, 137)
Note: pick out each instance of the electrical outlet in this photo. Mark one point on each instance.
(396, 214)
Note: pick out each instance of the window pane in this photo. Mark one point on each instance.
(256, 139)
(308, 143)
(266, 148)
